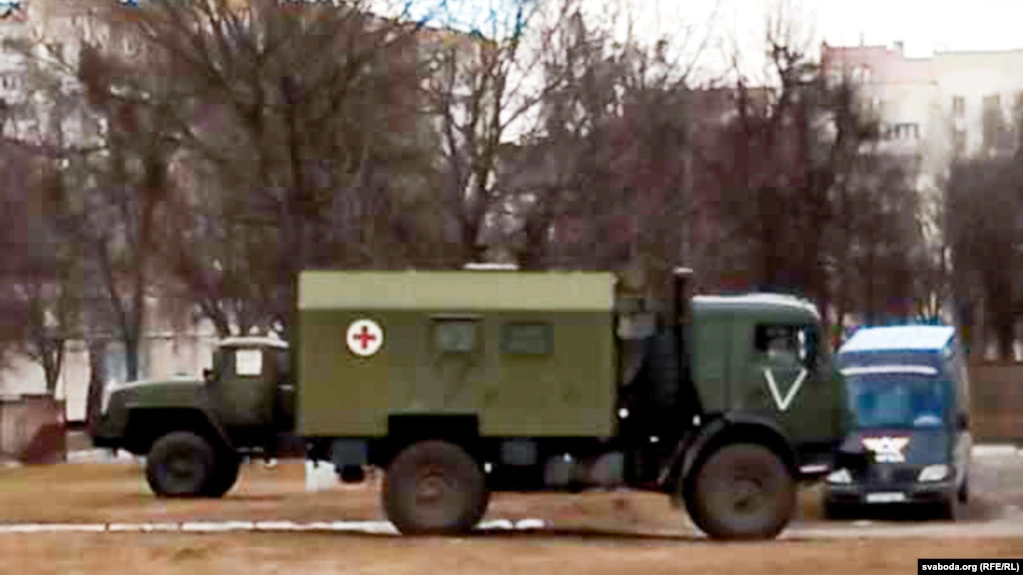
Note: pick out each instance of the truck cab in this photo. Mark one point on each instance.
(195, 430)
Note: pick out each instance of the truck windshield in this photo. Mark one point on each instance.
(898, 401)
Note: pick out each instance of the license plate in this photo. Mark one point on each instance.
(886, 497)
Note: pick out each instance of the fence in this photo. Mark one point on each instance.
(997, 401)
(32, 429)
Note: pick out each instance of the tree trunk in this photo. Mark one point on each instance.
(131, 357)
(1003, 325)
(871, 306)
(97, 381)
(53, 360)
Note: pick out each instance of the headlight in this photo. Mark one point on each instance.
(839, 476)
(933, 473)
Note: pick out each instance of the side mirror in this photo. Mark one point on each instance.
(962, 421)
(207, 375)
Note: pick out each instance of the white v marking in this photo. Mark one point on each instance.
(784, 403)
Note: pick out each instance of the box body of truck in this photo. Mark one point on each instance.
(525, 354)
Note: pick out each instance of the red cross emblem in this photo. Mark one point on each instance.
(364, 337)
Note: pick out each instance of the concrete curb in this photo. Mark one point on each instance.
(996, 450)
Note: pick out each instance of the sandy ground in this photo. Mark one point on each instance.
(256, 554)
(595, 532)
(106, 493)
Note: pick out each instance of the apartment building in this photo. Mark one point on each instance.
(984, 92)
(953, 104)
(937, 108)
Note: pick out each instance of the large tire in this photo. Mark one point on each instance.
(225, 474)
(434, 488)
(180, 464)
(742, 491)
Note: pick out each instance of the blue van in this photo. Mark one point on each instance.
(908, 393)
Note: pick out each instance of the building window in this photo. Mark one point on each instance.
(861, 74)
(902, 131)
(527, 338)
(994, 125)
(959, 142)
(958, 106)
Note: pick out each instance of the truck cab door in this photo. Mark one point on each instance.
(244, 391)
(783, 379)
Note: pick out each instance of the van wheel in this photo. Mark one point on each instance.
(951, 508)
(742, 491)
(434, 487)
(225, 474)
(180, 464)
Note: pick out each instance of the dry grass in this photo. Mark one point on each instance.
(118, 493)
(312, 554)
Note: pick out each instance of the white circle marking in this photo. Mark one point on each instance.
(364, 337)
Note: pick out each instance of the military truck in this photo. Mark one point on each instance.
(194, 432)
(466, 382)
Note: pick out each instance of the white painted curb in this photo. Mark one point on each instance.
(995, 450)
(367, 527)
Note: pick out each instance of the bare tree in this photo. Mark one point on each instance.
(604, 174)
(286, 161)
(878, 240)
(42, 273)
(784, 171)
(483, 92)
(985, 230)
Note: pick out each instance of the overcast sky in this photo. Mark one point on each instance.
(922, 25)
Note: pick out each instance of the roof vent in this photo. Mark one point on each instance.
(490, 267)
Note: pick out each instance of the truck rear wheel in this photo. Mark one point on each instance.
(434, 487)
(742, 491)
(225, 474)
(180, 464)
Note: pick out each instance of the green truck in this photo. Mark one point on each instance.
(466, 382)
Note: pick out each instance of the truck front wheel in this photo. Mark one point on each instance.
(225, 474)
(180, 464)
(434, 487)
(742, 491)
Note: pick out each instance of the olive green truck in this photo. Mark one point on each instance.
(462, 383)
